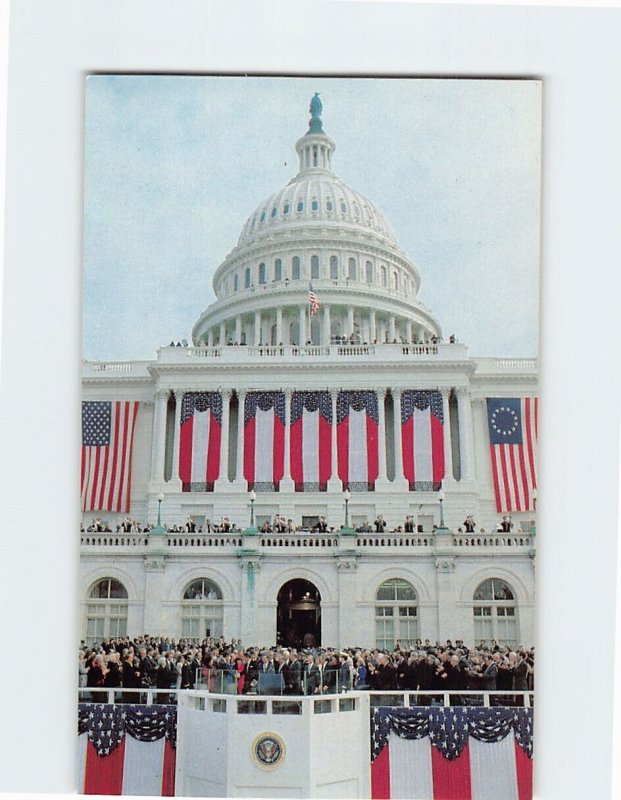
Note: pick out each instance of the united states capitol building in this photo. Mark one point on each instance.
(318, 389)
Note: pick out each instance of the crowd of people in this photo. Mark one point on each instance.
(278, 525)
(143, 662)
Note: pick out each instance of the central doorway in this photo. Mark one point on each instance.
(298, 619)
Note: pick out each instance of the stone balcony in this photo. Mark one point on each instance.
(377, 353)
(312, 544)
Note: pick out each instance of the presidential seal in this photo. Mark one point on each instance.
(268, 750)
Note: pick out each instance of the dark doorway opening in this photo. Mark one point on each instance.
(298, 620)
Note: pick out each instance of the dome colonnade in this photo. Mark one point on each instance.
(316, 230)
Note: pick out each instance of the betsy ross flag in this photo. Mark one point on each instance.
(126, 749)
(106, 462)
(313, 300)
(459, 753)
(512, 423)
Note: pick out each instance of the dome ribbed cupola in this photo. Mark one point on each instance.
(315, 229)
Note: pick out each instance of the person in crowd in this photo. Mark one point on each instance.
(469, 524)
(507, 524)
(310, 675)
(380, 524)
(408, 525)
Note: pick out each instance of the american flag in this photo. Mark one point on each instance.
(107, 443)
(512, 423)
(313, 300)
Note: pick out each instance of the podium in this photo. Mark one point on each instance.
(273, 746)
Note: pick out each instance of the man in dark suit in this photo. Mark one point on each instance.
(290, 671)
(310, 676)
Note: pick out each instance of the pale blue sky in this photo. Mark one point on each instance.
(175, 165)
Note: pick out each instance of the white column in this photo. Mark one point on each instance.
(210, 337)
(350, 320)
(372, 326)
(391, 328)
(408, 330)
(448, 448)
(327, 323)
(222, 333)
(396, 402)
(279, 325)
(464, 412)
(334, 484)
(239, 471)
(302, 325)
(238, 328)
(257, 328)
(286, 484)
(159, 436)
(177, 435)
(382, 477)
(223, 478)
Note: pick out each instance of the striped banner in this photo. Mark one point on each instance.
(357, 419)
(264, 440)
(422, 440)
(199, 440)
(126, 750)
(452, 754)
(311, 440)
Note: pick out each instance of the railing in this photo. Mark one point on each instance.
(383, 351)
(321, 703)
(307, 540)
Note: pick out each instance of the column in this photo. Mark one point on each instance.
(448, 447)
(222, 333)
(396, 401)
(210, 337)
(350, 320)
(239, 471)
(176, 437)
(464, 413)
(286, 484)
(392, 335)
(381, 444)
(159, 436)
(334, 484)
(238, 328)
(257, 328)
(303, 336)
(372, 326)
(408, 330)
(223, 477)
(327, 325)
(279, 338)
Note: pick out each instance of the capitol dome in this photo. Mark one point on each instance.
(317, 230)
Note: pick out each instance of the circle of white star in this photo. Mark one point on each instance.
(512, 428)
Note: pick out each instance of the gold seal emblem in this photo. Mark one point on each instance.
(268, 750)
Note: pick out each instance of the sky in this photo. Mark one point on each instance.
(174, 166)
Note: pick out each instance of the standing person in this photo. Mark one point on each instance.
(95, 678)
(240, 668)
(310, 675)
(469, 524)
(131, 678)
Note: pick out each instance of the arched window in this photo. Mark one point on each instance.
(351, 269)
(314, 205)
(395, 281)
(247, 278)
(274, 211)
(396, 617)
(278, 270)
(236, 282)
(285, 209)
(329, 206)
(334, 267)
(202, 610)
(226, 285)
(262, 272)
(295, 268)
(314, 267)
(300, 206)
(106, 612)
(369, 272)
(495, 612)
(383, 275)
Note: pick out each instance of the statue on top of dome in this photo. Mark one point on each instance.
(316, 107)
